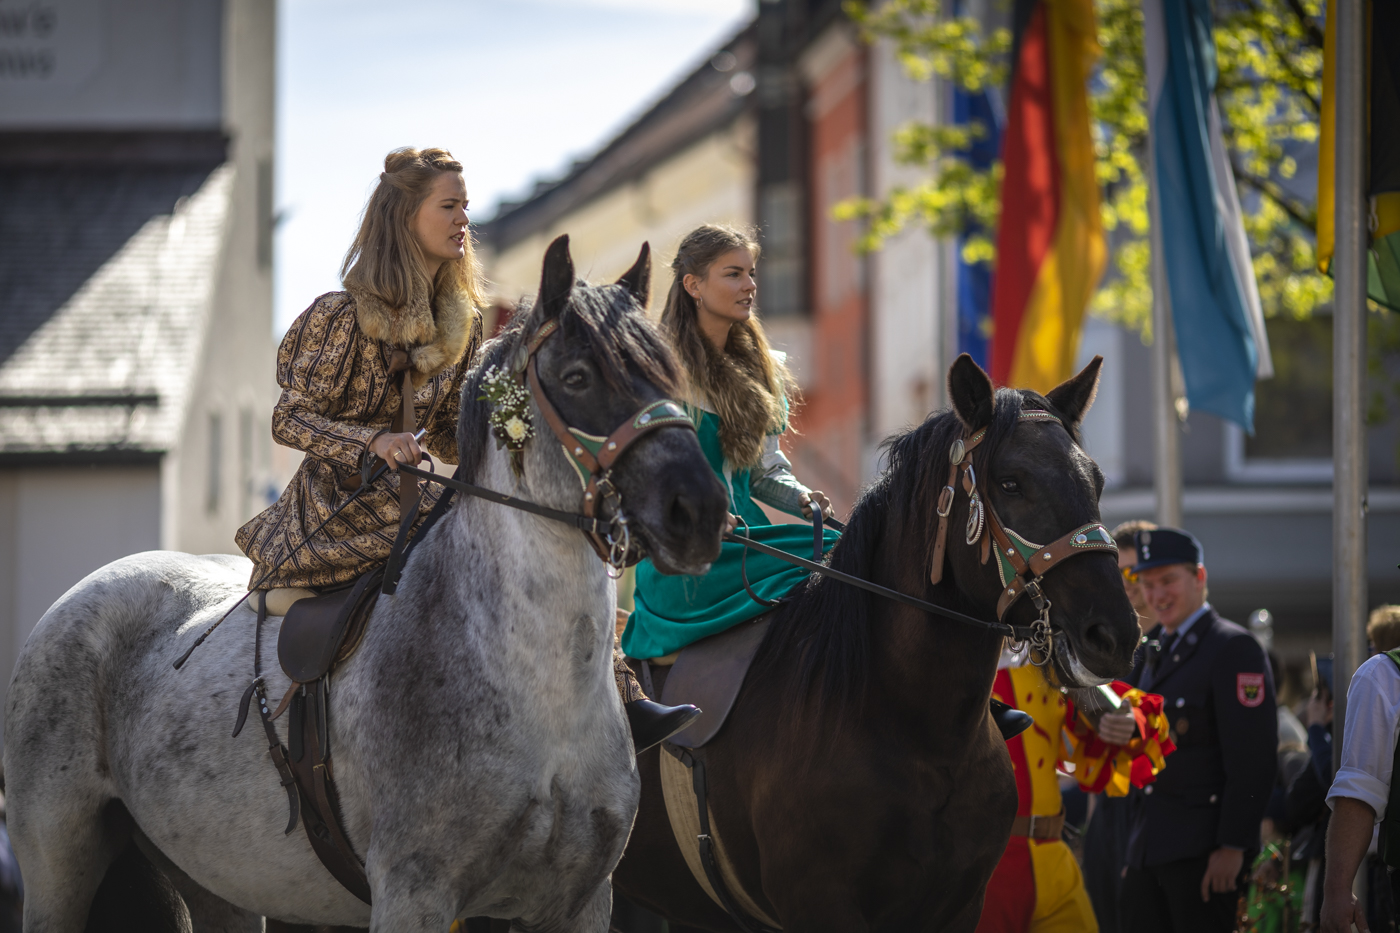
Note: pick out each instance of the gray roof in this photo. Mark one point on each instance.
(106, 274)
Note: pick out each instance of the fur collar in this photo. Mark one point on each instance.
(435, 338)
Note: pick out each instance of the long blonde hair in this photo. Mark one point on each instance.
(742, 381)
(385, 259)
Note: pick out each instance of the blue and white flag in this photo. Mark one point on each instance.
(1213, 297)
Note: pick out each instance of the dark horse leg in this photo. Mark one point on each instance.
(136, 897)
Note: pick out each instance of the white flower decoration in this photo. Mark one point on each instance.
(517, 429)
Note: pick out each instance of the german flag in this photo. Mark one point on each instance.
(1050, 243)
(1383, 162)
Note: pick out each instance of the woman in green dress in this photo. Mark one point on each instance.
(737, 394)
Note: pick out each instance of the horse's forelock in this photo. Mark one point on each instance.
(607, 320)
(618, 334)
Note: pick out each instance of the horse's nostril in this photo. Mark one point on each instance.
(1098, 637)
(684, 512)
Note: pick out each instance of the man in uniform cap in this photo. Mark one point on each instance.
(1193, 828)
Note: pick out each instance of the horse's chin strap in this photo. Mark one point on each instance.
(594, 457)
(1022, 565)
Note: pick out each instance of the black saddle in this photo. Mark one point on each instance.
(320, 632)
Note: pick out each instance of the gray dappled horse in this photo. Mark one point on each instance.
(482, 756)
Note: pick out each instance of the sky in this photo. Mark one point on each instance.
(516, 89)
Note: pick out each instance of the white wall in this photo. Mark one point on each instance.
(907, 371)
(59, 524)
(1103, 426)
(114, 64)
(234, 383)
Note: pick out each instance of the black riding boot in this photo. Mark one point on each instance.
(653, 723)
(650, 721)
(1010, 720)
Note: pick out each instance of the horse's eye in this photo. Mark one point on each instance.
(1010, 487)
(576, 379)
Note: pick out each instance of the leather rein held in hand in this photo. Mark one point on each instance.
(1021, 564)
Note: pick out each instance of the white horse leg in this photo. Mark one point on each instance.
(594, 917)
(64, 849)
(410, 912)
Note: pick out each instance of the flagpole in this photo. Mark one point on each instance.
(1166, 473)
(1349, 598)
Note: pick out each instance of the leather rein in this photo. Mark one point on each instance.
(1021, 564)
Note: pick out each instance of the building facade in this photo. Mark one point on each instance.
(136, 351)
(870, 337)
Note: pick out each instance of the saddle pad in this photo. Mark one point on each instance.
(708, 674)
(684, 814)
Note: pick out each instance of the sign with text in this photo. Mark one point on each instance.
(49, 43)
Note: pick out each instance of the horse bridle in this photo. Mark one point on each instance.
(593, 457)
(1021, 564)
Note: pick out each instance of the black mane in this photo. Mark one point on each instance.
(825, 626)
(605, 319)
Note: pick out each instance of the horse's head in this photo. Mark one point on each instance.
(602, 364)
(1041, 485)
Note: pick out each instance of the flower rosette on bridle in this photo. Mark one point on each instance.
(510, 419)
(1101, 767)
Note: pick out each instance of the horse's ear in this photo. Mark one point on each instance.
(637, 279)
(971, 392)
(557, 280)
(1074, 396)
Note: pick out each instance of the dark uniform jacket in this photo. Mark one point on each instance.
(1218, 694)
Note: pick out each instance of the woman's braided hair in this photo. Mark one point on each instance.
(385, 258)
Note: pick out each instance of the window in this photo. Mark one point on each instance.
(1292, 439)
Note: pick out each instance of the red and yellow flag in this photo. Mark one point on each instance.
(1050, 243)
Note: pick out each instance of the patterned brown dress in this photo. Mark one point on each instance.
(337, 395)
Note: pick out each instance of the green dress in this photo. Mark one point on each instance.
(674, 611)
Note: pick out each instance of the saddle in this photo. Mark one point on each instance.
(709, 674)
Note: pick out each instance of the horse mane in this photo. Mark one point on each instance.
(818, 642)
(607, 320)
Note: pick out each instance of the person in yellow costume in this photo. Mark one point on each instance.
(1037, 886)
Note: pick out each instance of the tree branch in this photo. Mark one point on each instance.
(1315, 35)
(1275, 193)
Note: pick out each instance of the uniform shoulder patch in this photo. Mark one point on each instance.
(1249, 689)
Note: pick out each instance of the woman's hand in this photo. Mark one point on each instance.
(807, 498)
(394, 449)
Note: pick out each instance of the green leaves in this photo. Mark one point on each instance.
(1269, 54)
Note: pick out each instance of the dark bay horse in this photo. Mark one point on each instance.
(860, 783)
